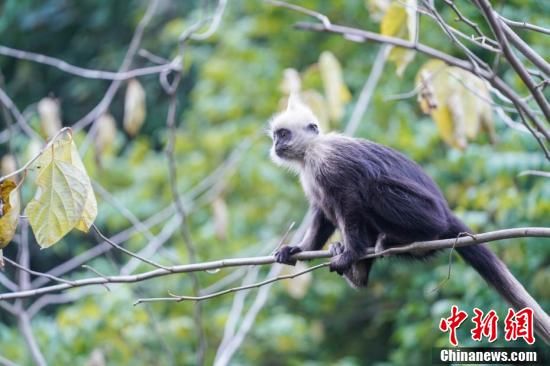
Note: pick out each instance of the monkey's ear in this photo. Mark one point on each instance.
(293, 101)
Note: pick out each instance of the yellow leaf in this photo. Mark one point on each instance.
(134, 107)
(400, 21)
(458, 101)
(336, 90)
(64, 199)
(50, 116)
(10, 206)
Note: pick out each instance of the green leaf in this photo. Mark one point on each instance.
(64, 199)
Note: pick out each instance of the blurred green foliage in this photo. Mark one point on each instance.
(230, 89)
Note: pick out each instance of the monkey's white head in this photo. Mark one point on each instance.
(292, 132)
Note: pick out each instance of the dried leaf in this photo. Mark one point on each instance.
(64, 199)
(134, 107)
(106, 133)
(458, 101)
(50, 116)
(10, 207)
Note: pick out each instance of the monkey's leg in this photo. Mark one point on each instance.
(358, 274)
(316, 236)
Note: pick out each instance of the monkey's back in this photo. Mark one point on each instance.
(387, 191)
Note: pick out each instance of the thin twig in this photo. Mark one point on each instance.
(214, 25)
(539, 173)
(8, 103)
(496, 25)
(178, 298)
(84, 72)
(126, 251)
(525, 25)
(30, 162)
(102, 106)
(35, 273)
(322, 18)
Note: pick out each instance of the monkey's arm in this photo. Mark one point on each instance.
(316, 236)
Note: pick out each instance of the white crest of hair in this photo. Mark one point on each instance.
(294, 101)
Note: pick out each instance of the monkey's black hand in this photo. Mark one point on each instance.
(284, 254)
(341, 260)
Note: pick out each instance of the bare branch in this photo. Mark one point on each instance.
(237, 262)
(84, 72)
(21, 121)
(496, 25)
(359, 35)
(525, 25)
(368, 90)
(539, 173)
(126, 251)
(527, 51)
(102, 106)
(30, 162)
(178, 298)
(322, 18)
(35, 273)
(26, 331)
(214, 25)
(463, 19)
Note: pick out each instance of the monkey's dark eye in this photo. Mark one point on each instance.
(312, 127)
(282, 134)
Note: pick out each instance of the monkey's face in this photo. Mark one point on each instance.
(292, 133)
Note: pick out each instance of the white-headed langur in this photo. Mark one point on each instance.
(376, 197)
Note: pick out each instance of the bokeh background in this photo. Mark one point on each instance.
(232, 83)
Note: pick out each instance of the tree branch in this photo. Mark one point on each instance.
(496, 26)
(359, 35)
(237, 262)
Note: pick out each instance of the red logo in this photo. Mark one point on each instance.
(516, 325)
(519, 325)
(486, 326)
(452, 323)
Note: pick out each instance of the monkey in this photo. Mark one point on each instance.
(377, 198)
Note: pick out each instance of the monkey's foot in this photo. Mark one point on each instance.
(341, 260)
(285, 253)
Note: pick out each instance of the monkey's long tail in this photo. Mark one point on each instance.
(495, 272)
